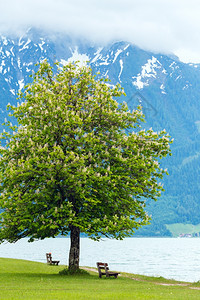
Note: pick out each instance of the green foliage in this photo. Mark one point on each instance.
(77, 158)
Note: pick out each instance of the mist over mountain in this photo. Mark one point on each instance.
(167, 89)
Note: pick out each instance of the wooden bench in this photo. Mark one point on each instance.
(50, 261)
(104, 270)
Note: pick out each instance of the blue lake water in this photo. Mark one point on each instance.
(174, 258)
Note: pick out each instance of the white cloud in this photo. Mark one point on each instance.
(158, 25)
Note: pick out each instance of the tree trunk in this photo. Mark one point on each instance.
(74, 249)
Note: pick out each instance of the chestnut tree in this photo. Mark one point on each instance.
(77, 162)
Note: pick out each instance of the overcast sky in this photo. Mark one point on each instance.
(166, 26)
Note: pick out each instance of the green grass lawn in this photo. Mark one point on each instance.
(21, 279)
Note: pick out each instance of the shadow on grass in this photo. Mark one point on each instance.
(47, 275)
(67, 272)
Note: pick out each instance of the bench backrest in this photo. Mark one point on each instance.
(49, 258)
(102, 268)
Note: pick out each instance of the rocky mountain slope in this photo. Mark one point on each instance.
(168, 90)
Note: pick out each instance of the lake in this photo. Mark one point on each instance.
(173, 258)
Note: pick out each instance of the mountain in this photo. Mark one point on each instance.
(168, 90)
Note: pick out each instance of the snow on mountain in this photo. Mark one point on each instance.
(162, 89)
(147, 71)
(97, 55)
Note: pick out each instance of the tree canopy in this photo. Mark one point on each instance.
(78, 161)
